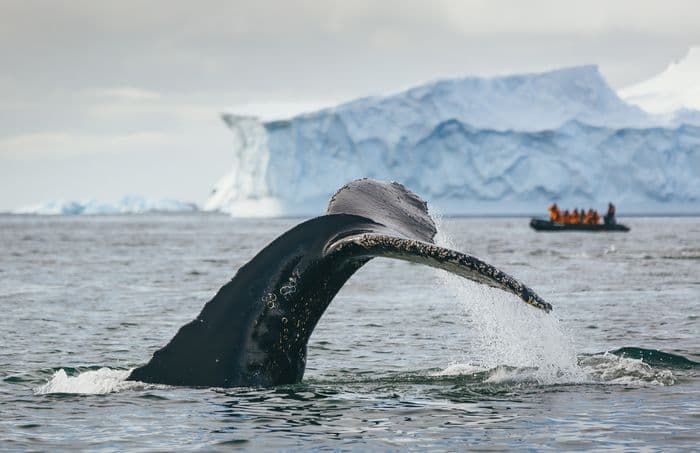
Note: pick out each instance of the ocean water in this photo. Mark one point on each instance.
(405, 356)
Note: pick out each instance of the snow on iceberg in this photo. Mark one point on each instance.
(675, 89)
(130, 204)
(500, 145)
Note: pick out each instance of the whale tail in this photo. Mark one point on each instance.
(409, 234)
(256, 328)
(462, 264)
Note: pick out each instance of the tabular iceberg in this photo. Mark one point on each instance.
(474, 145)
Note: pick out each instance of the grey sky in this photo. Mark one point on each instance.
(100, 99)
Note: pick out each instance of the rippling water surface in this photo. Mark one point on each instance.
(405, 357)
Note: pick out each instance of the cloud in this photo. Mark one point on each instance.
(556, 17)
(259, 49)
(42, 145)
(92, 81)
(131, 94)
(268, 111)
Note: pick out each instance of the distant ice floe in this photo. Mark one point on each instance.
(128, 205)
(474, 145)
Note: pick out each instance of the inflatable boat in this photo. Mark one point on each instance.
(548, 225)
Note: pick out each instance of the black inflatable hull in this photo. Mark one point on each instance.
(546, 225)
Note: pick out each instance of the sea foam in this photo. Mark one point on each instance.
(103, 380)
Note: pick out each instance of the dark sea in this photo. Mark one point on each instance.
(406, 357)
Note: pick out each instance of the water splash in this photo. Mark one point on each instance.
(605, 368)
(104, 380)
(514, 342)
(508, 332)
(458, 369)
(614, 369)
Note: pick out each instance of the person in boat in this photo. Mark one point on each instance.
(554, 213)
(596, 218)
(609, 218)
(566, 216)
(590, 217)
(575, 216)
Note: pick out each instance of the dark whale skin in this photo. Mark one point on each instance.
(255, 330)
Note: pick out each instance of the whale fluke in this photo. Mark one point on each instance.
(255, 330)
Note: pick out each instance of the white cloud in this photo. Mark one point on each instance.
(88, 81)
(268, 111)
(132, 94)
(48, 144)
(546, 17)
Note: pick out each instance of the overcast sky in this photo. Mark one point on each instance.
(105, 98)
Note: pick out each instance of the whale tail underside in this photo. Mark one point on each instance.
(370, 245)
(408, 233)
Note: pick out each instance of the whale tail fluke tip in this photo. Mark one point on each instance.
(398, 208)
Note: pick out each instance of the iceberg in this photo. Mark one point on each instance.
(501, 145)
(130, 204)
(675, 91)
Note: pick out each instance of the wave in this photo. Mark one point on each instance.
(626, 366)
(614, 369)
(632, 366)
(654, 358)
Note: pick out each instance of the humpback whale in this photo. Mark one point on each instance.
(255, 330)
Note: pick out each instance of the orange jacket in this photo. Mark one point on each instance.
(554, 215)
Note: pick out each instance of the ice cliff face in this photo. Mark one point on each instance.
(474, 145)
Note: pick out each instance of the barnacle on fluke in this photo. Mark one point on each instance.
(255, 330)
